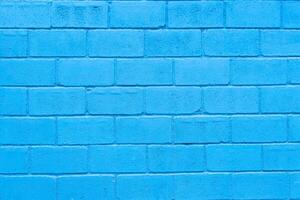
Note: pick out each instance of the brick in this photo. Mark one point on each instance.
(290, 14)
(198, 129)
(195, 14)
(32, 14)
(23, 130)
(85, 130)
(173, 43)
(201, 71)
(65, 43)
(29, 72)
(176, 158)
(85, 72)
(117, 158)
(281, 157)
(294, 128)
(79, 14)
(115, 101)
(144, 187)
(258, 71)
(85, 187)
(148, 130)
(58, 160)
(13, 43)
(118, 43)
(233, 158)
(263, 186)
(56, 101)
(280, 43)
(246, 13)
(13, 160)
(259, 129)
(294, 71)
(27, 187)
(137, 14)
(13, 101)
(144, 72)
(231, 42)
(202, 186)
(7, 14)
(294, 186)
(170, 100)
(280, 100)
(231, 100)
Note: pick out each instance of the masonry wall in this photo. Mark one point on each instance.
(149, 100)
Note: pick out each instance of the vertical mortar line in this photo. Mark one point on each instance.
(108, 13)
(27, 44)
(202, 42)
(224, 14)
(280, 13)
(288, 128)
(29, 160)
(166, 14)
(115, 178)
(262, 158)
(147, 159)
(88, 158)
(230, 73)
(86, 101)
(114, 130)
(144, 43)
(259, 100)
(27, 101)
(56, 81)
(205, 157)
(56, 187)
(86, 43)
(173, 72)
(230, 129)
(288, 74)
(259, 43)
(56, 130)
(173, 135)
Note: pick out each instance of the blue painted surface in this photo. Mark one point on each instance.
(149, 100)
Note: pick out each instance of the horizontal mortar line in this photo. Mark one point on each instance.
(154, 57)
(153, 144)
(153, 115)
(32, 28)
(290, 172)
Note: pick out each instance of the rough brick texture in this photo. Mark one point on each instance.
(149, 100)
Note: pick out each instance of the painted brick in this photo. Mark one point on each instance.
(13, 101)
(280, 43)
(58, 160)
(144, 72)
(202, 186)
(199, 129)
(13, 160)
(195, 14)
(27, 187)
(294, 128)
(294, 186)
(85, 72)
(13, 43)
(201, 71)
(23, 130)
(145, 187)
(247, 13)
(290, 14)
(231, 100)
(280, 99)
(7, 14)
(294, 70)
(258, 72)
(152, 129)
(179, 158)
(117, 158)
(79, 14)
(263, 186)
(137, 14)
(170, 100)
(281, 157)
(56, 101)
(118, 43)
(85, 130)
(63, 43)
(27, 72)
(115, 101)
(259, 129)
(32, 14)
(233, 157)
(85, 187)
(173, 43)
(231, 42)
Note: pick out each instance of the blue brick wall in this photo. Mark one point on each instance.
(150, 100)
